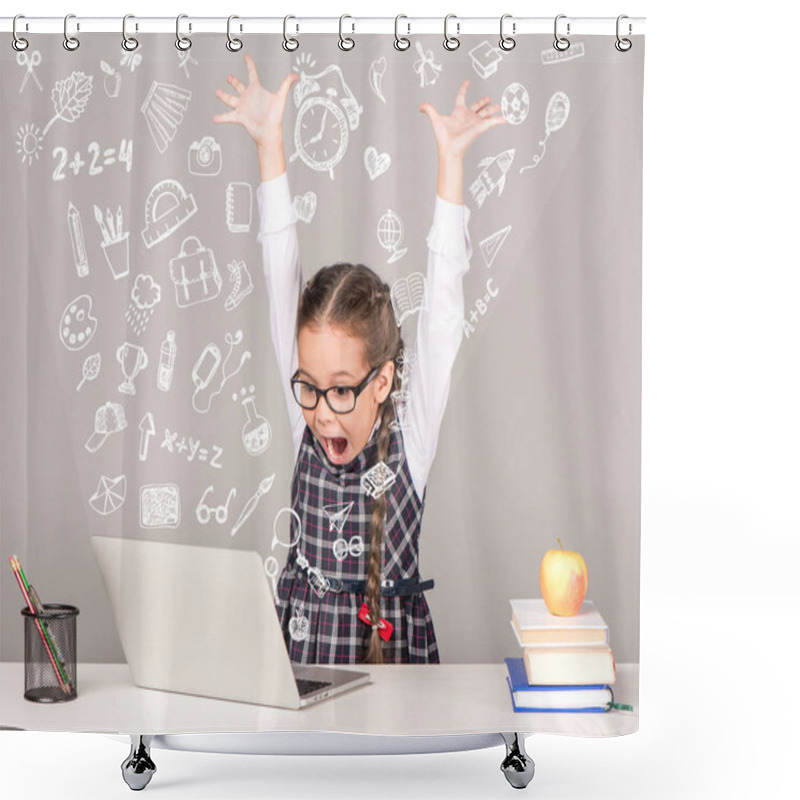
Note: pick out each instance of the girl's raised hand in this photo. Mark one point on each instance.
(455, 133)
(257, 109)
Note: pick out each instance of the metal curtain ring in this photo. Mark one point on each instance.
(623, 45)
(70, 42)
(289, 43)
(451, 42)
(18, 43)
(128, 42)
(561, 42)
(233, 44)
(345, 42)
(181, 42)
(507, 42)
(401, 42)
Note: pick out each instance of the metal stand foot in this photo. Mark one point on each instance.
(518, 766)
(138, 768)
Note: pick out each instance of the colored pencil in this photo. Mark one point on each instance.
(16, 568)
(38, 608)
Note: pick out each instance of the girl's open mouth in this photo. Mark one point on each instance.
(336, 446)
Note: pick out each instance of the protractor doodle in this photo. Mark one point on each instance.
(168, 206)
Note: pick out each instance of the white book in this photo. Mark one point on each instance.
(535, 626)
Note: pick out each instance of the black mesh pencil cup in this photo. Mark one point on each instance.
(50, 653)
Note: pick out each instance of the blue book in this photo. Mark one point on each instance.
(587, 698)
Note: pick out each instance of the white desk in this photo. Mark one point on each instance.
(402, 700)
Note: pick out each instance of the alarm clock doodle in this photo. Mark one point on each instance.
(325, 118)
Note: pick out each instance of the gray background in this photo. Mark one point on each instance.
(541, 437)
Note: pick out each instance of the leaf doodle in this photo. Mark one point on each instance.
(90, 369)
(70, 97)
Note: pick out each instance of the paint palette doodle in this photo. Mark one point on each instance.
(168, 206)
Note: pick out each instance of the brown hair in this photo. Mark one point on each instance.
(352, 297)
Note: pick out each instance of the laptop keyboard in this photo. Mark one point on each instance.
(306, 687)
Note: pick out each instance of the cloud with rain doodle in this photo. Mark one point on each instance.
(146, 293)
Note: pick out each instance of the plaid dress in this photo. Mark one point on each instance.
(322, 626)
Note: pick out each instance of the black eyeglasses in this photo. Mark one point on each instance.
(340, 399)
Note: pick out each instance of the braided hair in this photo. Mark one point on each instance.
(354, 298)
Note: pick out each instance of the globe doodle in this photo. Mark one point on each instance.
(515, 103)
(390, 234)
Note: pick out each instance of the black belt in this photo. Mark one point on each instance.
(389, 588)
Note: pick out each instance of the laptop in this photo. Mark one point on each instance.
(202, 620)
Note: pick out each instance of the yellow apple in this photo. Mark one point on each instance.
(563, 579)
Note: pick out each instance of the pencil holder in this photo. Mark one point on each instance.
(50, 657)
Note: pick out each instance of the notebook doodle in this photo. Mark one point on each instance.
(238, 206)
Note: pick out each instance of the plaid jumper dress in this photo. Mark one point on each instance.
(322, 494)
(321, 588)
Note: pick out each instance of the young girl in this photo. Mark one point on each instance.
(350, 590)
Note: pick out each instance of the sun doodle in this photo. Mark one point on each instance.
(29, 142)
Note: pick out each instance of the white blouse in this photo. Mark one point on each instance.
(439, 325)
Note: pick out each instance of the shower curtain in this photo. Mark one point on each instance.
(144, 395)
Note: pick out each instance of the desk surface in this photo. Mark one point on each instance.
(448, 699)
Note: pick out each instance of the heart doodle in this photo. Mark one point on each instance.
(376, 163)
(305, 206)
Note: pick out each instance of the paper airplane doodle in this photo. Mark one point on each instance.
(337, 515)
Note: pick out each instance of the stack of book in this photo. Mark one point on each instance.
(566, 663)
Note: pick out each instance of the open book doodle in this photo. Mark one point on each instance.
(408, 295)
